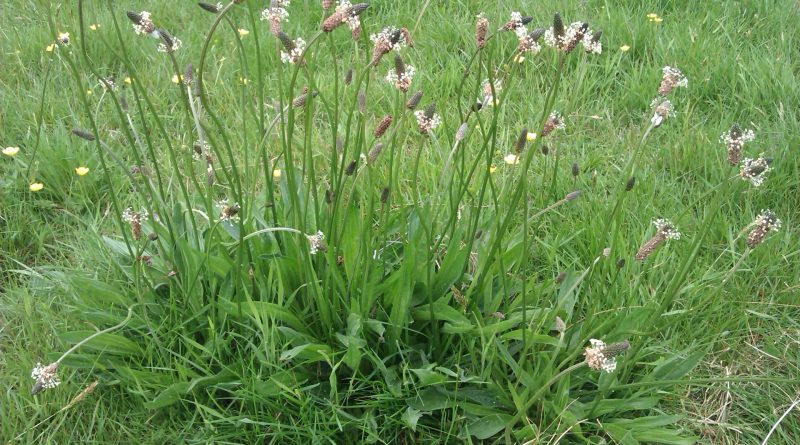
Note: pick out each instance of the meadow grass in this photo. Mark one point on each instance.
(454, 293)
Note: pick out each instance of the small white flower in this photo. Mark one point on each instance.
(754, 170)
(427, 121)
(296, 54)
(45, 377)
(176, 45)
(316, 243)
(403, 81)
(666, 228)
(662, 109)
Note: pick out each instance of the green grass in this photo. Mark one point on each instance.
(408, 328)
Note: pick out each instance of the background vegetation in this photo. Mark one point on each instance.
(408, 328)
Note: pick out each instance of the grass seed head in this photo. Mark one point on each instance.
(384, 195)
(383, 125)
(214, 9)
(83, 134)
(44, 377)
(374, 152)
(766, 222)
(413, 101)
(521, 140)
(630, 184)
(481, 28)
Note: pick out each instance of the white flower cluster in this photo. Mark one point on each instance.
(296, 53)
(667, 229)
(597, 359)
(402, 81)
(427, 123)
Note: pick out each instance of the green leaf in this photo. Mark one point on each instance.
(488, 426)
(264, 309)
(309, 353)
(107, 343)
(411, 417)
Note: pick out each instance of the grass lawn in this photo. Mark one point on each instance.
(264, 236)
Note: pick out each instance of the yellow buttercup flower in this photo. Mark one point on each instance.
(177, 78)
(11, 151)
(511, 159)
(36, 186)
(652, 16)
(128, 80)
(243, 32)
(624, 48)
(94, 26)
(82, 171)
(244, 80)
(276, 174)
(530, 136)
(519, 58)
(658, 20)
(50, 47)
(492, 168)
(89, 92)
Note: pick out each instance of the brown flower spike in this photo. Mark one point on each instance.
(383, 125)
(481, 28)
(734, 140)
(664, 230)
(766, 222)
(602, 357)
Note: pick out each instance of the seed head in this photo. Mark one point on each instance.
(461, 133)
(229, 212)
(45, 377)
(374, 152)
(413, 101)
(571, 196)
(591, 42)
(754, 170)
(566, 39)
(671, 78)
(348, 77)
(294, 49)
(135, 220)
(316, 243)
(662, 109)
(553, 122)
(351, 168)
(734, 139)
(427, 119)
(169, 44)
(214, 9)
(300, 100)
(766, 222)
(516, 23)
(389, 39)
(530, 42)
(629, 185)
(275, 14)
(402, 74)
(142, 23)
(665, 230)
(575, 169)
(83, 134)
(602, 357)
(384, 195)
(383, 125)
(521, 140)
(361, 99)
(481, 28)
